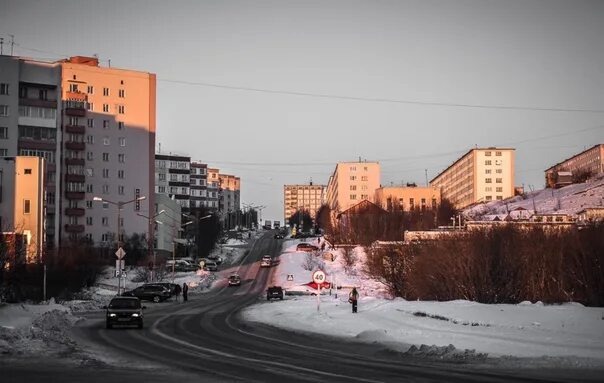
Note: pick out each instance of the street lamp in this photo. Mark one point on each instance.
(119, 205)
(150, 240)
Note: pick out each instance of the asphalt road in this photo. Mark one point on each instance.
(204, 340)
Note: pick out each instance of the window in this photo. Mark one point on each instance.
(90, 123)
(488, 180)
(105, 221)
(27, 171)
(162, 176)
(89, 221)
(73, 87)
(22, 92)
(90, 139)
(88, 188)
(498, 180)
(89, 156)
(173, 177)
(90, 106)
(89, 204)
(105, 173)
(353, 168)
(120, 190)
(487, 171)
(90, 89)
(43, 94)
(161, 189)
(499, 189)
(499, 197)
(105, 124)
(488, 189)
(364, 196)
(26, 206)
(411, 203)
(488, 162)
(105, 189)
(4, 88)
(106, 108)
(105, 91)
(498, 154)
(3, 132)
(364, 178)
(121, 93)
(498, 171)
(4, 110)
(353, 178)
(353, 196)
(120, 125)
(106, 157)
(106, 141)
(3, 152)
(488, 198)
(120, 174)
(121, 109)
(353, 187)
(122, 141)
(121, 158)
(488, 154)
(105, 237)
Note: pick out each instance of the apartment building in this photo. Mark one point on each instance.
(480, 175)
(173, 178)
(199, 185)
(302, 197)
(590, 161)
(213, 188)
(351, 183)
(167, 224)
(30, 124)
(230, 193)
(22, 204)
(407, 198)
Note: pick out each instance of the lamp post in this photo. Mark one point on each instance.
(119, 205)
(150, 240)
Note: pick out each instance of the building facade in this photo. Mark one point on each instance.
(480, 175)
(213, 187)
(407, 198)
(589, 162)
(173, 178)
(351, 183)
(167, 224)
(199, 185)
(302, 197)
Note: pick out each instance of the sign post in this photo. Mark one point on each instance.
(318, 277)
(119, 266)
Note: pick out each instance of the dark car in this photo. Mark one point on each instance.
(234, 280)
(278, 236)
(170, 286)
(306, 247)
(274, 292)
(124, 311)
(150, 292)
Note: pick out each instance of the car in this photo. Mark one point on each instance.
(180, 265)
(210, 266)
(274, 292)
(278, 236)
(266, 261)
(124, 311)
(150, 292)
(234, 280)
(216, 259)
(306, 247)
(170, 286)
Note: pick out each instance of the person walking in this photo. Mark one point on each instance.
(177, 292)
(185, 292)
(353, 298)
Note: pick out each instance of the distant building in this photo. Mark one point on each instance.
(351, 183)
(407, 198)
(229, 203)
(169, 228)
(22, 203)
(213, 187)
(480, 175)
(199, 185)
(172, 178)
(589, 163)
(591, 214)
(302, 197)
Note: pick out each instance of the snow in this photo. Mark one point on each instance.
(458, 329)
(567, 200)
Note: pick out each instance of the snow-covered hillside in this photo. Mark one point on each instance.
(567, 200)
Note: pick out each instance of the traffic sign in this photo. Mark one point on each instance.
(318, 277)
(120, 253)
(290, 277)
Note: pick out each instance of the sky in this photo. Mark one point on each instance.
(277, 92)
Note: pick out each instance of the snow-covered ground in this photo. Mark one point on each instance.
(568, 332)
(567, 200)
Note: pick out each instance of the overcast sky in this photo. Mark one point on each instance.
(397, 73)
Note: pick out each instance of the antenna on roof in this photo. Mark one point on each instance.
(359, 158)
(109, 62)
(1, 44)
(12, 43)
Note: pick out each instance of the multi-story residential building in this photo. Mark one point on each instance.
(480, 175)
(109, 141)
(230, 189)
(407, 198)
(173, 177)
(351, 183)
(199, 185)
(302, 197)
(30, 125)
(590, 162)
(213, 188)
(167, 224)
(22, 202)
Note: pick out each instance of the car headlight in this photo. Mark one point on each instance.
(135, 315)
(112, 315)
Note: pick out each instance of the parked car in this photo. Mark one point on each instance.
(149, 292)
(266, 261)
(210, 266)
(274, 292)
(234, 280)
(306, 247)
(124, 311)
(170, 286)
(216, 259)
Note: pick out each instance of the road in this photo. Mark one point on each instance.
(204, 340)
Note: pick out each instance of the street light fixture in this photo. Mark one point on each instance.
(119, 205)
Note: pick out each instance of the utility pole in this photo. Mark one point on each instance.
(426, 171)
(12, 43)
(1, 44)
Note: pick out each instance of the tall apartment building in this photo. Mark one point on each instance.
(173, 177)
(588, 161)
(95, 126)
(407, 198)
(230, 193)
(30, 125)
(302, 197)
(351, 183)
(480, 175)
(22, 202)
(213, 188)
(199, 185)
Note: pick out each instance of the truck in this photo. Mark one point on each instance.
(276, 224)
(267, 225)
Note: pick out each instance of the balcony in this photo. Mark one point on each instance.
(75, 161)
(79, 178)
(75, 212)
(75, 112)
(77, 129)
(75, 195)
(74, 228)
(73, 145)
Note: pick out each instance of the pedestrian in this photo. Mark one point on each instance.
(177, 292)
(318, 239)
(323, 246)
(353, 298)
(185, 292)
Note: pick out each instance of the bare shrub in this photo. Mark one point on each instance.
(350, 259)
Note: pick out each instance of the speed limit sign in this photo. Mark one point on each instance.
(318, 277)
